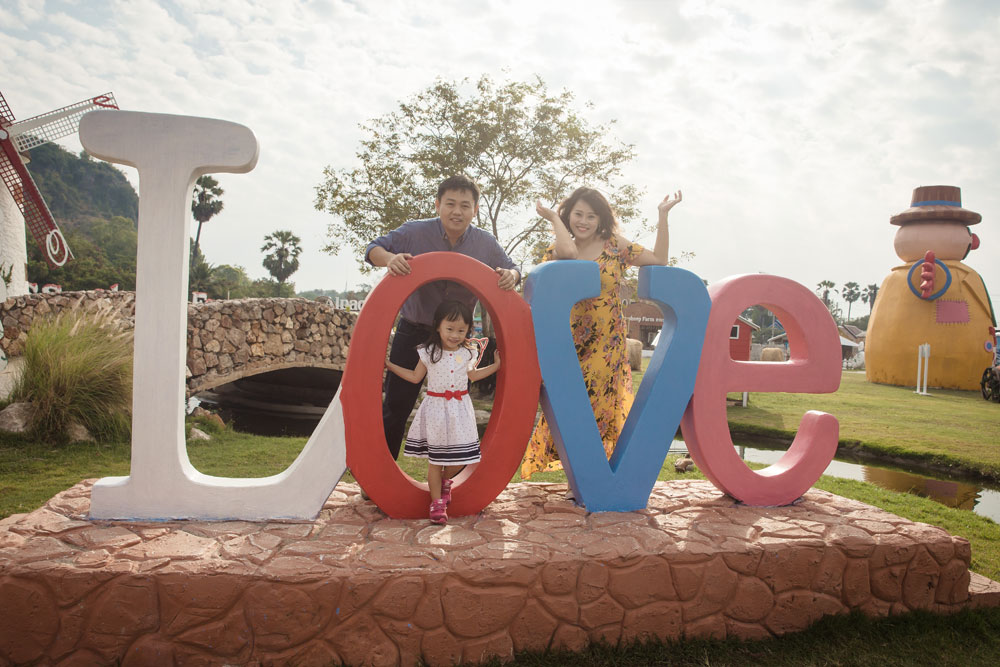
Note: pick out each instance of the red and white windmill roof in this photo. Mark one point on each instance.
(22, 136)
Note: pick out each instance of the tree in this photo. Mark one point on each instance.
(868, 295)
(765, 319)
(860, 322)
(200, 274)
(851, 293)
(77, 188)
(282, 258)
(826, 286)
(205, 204)
(230, 282)
(105, 255)
(266, 287)
(516, 140)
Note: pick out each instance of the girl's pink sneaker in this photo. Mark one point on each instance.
(446, 491)
(439, 511)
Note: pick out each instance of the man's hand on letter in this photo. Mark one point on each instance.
(508, 278)
(397, 264)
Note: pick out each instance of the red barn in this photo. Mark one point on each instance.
(645, 320)
(740, 337)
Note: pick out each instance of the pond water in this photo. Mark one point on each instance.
(982, 499)
(278, 405)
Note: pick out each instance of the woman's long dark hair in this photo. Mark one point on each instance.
(450, 310)
(607, 226)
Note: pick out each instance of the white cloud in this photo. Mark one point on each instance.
(795, 129)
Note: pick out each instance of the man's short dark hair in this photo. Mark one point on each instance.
(461, 183)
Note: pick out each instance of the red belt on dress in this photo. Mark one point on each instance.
(448, 395)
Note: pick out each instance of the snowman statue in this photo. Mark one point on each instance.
(932, 298)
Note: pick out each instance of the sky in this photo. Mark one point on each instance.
(795, 130)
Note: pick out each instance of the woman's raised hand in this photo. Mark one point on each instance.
(546, 212)
(669, 202)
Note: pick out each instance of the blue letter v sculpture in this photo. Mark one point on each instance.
(625, 482)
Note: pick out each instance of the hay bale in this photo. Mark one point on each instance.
(634, 349)
(772, 354)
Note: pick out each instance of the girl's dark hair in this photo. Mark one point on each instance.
(607, 226)
(448, 310)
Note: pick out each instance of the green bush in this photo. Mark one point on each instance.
(78, 367)
(205, 424)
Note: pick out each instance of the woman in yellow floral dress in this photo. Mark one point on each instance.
(585, 228)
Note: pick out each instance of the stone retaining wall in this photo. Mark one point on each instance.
(227, 340)
(532, 571)
(17, 313)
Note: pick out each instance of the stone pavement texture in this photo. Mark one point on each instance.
(532, 571)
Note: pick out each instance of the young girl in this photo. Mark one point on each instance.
(444, 430)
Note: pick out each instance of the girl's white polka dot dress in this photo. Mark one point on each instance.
(444, 430)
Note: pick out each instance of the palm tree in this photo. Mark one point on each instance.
(851, 293)
(868, 295)
(283, 251)
(205, 203)
(200, 274)
(826, 286)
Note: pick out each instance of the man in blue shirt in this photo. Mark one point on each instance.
(456, 204)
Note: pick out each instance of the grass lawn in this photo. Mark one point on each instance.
(31, 473)
(949, 428)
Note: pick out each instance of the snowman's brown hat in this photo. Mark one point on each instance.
(936, 203)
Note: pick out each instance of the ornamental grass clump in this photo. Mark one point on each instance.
(78, 368)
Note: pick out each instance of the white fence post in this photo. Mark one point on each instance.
(923, 360)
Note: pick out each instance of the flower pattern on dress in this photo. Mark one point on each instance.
(599, 333)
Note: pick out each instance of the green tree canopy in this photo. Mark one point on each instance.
(205, 203)
(868, 295)
(96, 209)
(282, 250)
(225, 281)
(77, 188)
(105, 255)
(824, 287)
(200, 274)
(272, 288)
(515, 139)
(231, 282)
(851, 293)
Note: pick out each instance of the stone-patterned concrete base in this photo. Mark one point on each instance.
(532, 571)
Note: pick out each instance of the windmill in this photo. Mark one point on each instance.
(20, 137)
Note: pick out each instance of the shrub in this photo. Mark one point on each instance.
(78, 366)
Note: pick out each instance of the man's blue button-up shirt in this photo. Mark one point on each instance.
(419, 236)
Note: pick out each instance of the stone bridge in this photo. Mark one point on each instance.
(227, 340)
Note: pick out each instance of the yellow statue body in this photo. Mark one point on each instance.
(920, 305)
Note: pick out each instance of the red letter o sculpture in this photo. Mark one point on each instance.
(518, 383)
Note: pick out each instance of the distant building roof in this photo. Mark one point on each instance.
(853, 331)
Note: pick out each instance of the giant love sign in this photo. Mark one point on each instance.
(688, 376)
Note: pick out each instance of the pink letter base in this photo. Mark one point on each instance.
(531, 571)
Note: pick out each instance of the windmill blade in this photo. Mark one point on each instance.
(41, 129)
(6, 117)
(37, 216)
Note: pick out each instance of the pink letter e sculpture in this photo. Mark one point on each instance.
(814, 368)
